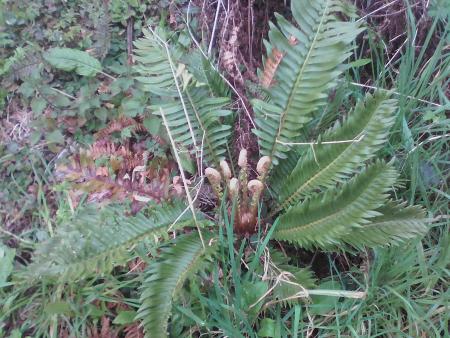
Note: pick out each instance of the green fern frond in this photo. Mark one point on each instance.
(94, 242)
(165, 277)
(194, 113)
(310, 65)
(279, 174)
(156, 73)
(205, 114)
(328, 164)
(206, 74)
(396, 224)
(323, 219)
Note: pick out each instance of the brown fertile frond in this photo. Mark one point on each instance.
(272, 62)
(118, 124)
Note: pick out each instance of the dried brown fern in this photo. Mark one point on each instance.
(105, 331)
(119, 124)
(134, 331)
(272, 63)
(114, 172)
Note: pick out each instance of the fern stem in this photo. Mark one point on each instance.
(396, 93)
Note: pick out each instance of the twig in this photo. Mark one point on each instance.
(433, 138)
(377, 10)
(183, 176)
(396, 93)
(107, 75)
(212, 65)
(359, 138)
(331, 293)
(250, 29)
(63, 93)
(130, 40)
(395, 54)
(278, 280)
(219, 2)
(8, 233)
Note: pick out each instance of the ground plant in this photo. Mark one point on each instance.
(179, 168)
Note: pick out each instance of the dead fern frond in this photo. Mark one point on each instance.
(105, 330)
(108, 172)
(134, 331)
(105, 148)
(118, 125)
(270, 68)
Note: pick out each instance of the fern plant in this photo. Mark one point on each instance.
(334, 195)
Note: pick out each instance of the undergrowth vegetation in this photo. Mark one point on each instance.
(154, 183)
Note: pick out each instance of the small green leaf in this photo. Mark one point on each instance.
(186, 161)
(407, 137)
(26, 89)
(267, 328)
(359, 63)
(57, 308)
(133, 106)
(55, 137)
(125, 317)
(94, 311)
(61, 101)
(152, 124)
(16, 334)
(120, 85)
(6, 262)
(69, 59)
(101, 114)
(252, 295)
(35, 137)
(38, 105)
(133, 3)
